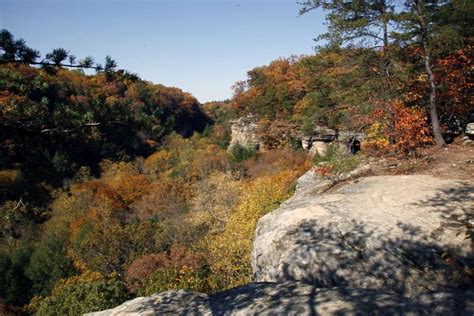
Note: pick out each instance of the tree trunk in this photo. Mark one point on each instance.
(383, 14)
(432, 106)
(438, 137)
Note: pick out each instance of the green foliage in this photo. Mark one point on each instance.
(111, 170)
(16, 49)
(78, 296)
(54, 123)
(109, 248)
(241, 153)
(48, 264)
(354, 22)
(15, 287)
(332, 88)
(57, 56)
(219, 135)
(14, 223)
(337, 158)
(165, 279)
(448, 25)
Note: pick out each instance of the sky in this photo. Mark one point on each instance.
(200, 46)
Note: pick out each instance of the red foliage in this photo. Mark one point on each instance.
(322, 170)
(398, 128)
(143, 267)
(454, 77)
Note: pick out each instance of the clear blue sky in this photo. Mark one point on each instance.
(200, 46)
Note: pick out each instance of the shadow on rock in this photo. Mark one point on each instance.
(456, 208)
(302, 299)
(327, 257)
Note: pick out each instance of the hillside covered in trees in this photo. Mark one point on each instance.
(112, 187)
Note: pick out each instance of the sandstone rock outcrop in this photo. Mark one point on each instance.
(386, 232)
(295, 299)
(243, 132)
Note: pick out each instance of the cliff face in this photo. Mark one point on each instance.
(378, 245)
(243, 132)
(247, 132)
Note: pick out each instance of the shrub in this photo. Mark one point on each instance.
(398, 129)
(275, 161)
(10, 178)
(276, 134)
(178, 269)
(335, 161)
(158, 162)
(241, 153)
(165, 198)
(167, 278)
(142, 268)
(88, 292)
(110, 248)
(15, 287)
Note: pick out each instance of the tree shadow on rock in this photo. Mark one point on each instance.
(167, 303)
(455, 206)
(362, 258)
(302, 299)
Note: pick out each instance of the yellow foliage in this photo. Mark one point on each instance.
(8, 178)
(34, 304)
(125, 180)
(301, 106)
(86, 277)
(229, 252)
(208, 159)
(79, 265)
(214, 198)
(69, 207)
(164, 197)
(111, 100)
(158, 162)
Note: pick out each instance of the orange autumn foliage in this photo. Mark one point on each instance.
(397, 128)
(125, 180)
(165, 197)
(104, 202)
(454, 76)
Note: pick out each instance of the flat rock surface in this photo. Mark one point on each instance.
(296, 299)
(406, 234)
